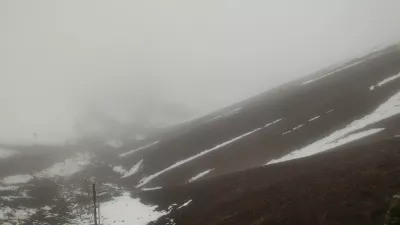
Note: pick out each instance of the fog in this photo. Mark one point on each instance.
(157, 63)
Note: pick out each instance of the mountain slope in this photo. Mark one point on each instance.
(319, 150)
(303, 114)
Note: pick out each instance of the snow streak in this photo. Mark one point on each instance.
(388, 109)
(185, 204)
(198, 176)
(179, 163)
(127, 173)
(340, 69)
(385, 81)
(138, 149)
(151, 177)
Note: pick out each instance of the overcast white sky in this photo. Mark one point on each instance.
(132, 59)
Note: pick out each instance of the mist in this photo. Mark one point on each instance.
(158, 63)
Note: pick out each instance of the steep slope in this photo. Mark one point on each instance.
(278, 122)
(345, 186)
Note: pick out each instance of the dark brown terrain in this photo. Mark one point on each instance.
(346, 186)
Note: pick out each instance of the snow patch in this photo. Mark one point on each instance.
(385, 81)
(321, 146)
(198, 176)
(9, 188)
(314, 118)
(134, 169)
(46, 211)
(119, 169)
(388, 109)
(123, 210)
(299, 126)
(284, 133)
(137, 149)
(16, 179)
(172, 206)
(112, 186)
(67, 168)
(179, 163)
(14, 215)
(185, 204)
(46, 208)
(127, 173)
(13, 197)
(151, 189)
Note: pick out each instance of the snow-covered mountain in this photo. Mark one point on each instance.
(320, 150)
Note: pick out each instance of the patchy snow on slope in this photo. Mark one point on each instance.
(138, 149)
(66, 168)
(119, 169)
(151, 189)
(122, 210)
(385, 81)
(134, 169)
(12, 197)
(314, 118)
(8, 188)
(388, 109)
(198, 176)
(46, 211)
(23, 194)
(185, 204)
(127, 173)
(112, 186)
(173, 205)
(179, 163)
(321, 146)
(16, 179)
(127, 210)
(15, 215)
(5, 153)
(46, 208)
